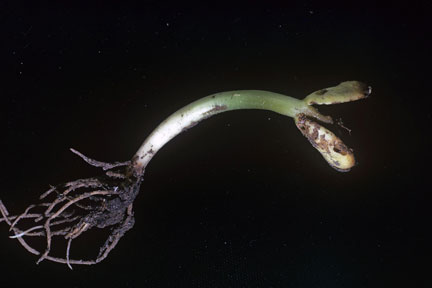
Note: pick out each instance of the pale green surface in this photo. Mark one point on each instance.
(252, 99)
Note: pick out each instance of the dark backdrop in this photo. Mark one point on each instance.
(242, 199)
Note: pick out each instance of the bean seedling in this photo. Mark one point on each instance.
(69, 210)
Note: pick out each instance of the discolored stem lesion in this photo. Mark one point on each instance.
(71, 209)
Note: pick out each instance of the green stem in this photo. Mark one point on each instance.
(206, 107)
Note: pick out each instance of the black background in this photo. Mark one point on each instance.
(242, 199)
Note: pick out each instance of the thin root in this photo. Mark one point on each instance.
(103, 165)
